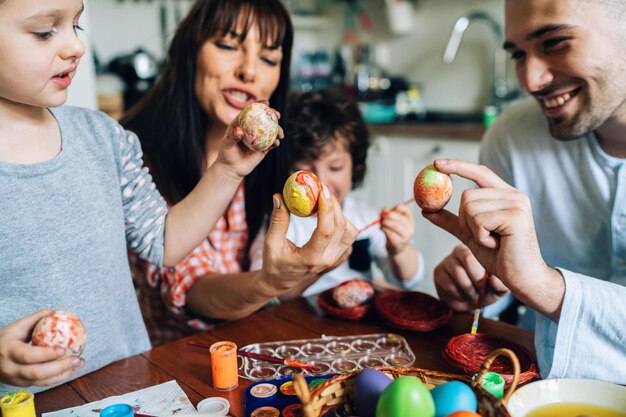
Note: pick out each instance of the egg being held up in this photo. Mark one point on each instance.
(368, 386)
(432, 189)
(63, 329)
(463, 414)
(407, 396)
(301, 192)
(260, 125)
(453, 396)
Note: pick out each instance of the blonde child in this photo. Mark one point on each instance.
(75, 193)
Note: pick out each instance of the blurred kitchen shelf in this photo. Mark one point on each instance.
(309, 22)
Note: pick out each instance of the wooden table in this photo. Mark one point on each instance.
(297, 319)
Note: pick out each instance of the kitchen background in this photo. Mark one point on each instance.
(406, 40)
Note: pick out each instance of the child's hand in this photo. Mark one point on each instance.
(398, 226)
(239, 158)
(22, 364)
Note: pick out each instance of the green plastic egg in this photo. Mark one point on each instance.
(407, 396)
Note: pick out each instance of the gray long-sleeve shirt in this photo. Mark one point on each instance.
(64, 229)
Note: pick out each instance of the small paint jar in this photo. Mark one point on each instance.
(118, 410)
(18, 404)
(493, 383)
(224, 365)
(214, 407)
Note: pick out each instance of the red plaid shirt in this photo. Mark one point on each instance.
(223, 252)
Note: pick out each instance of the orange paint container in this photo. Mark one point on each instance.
(224, 365)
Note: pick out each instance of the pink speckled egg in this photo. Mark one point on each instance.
(432, 189)
(63, 329)
(260, 124)
(301, 192)
(353, 293)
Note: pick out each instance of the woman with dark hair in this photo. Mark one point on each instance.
(224, 55)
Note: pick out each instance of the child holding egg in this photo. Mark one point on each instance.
(327, 136)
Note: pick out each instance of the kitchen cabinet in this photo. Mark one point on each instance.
(392, 164)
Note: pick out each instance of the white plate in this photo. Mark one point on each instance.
(549, 391)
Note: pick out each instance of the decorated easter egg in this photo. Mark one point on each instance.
(63, 329)
(453, 396)
(368, 386)
(432, 189)
(463, 414)
(260, 125)
(353, 293)
(407, 396)
(301, 192)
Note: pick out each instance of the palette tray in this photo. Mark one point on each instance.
(330, 354)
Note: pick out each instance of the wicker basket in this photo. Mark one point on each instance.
(326, 303)
(336, 392)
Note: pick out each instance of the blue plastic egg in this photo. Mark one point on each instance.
(453, 396)
(368, 386)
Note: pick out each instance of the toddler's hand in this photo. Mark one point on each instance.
(22, 364)
(398, 226)
(239, 158)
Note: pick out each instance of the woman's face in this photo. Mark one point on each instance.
(232, 72)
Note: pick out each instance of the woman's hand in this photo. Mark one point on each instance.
(237, 157)
(22, 364)
(285, 265)
(495, 222)
(398, 226)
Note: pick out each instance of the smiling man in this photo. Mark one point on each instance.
(562, 229)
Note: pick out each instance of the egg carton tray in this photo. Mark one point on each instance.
(330, 354)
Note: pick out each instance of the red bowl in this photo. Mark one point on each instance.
(326, 303)
(468, 351)
(412, 310)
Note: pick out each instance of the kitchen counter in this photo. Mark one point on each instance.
(445, 130)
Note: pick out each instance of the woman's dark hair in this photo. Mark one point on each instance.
(317, 118)
(172, 126)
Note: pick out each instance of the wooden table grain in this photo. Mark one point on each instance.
(296, 319)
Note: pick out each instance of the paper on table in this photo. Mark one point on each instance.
(162, 400)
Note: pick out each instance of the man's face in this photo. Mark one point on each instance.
(571, 56)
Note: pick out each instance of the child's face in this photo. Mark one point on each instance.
(39, 50)
(333, 167)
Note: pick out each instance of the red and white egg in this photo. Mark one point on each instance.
(63, 329)
(432, 189)
(260, 125)
(353, 293)
(301, 193)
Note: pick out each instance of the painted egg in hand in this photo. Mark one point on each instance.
(63, 329)
(453, 396)
(260, 125)
(353, 293)
(368, 386)
(432, 189)
(301, 192)
(407, 396)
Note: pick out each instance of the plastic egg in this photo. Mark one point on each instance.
(368, 386)
(405, 397)
(353, 293)
(432, 189)
(453, 396)
(463, 414)
(63, 329)
(260, 125)
(301, 192)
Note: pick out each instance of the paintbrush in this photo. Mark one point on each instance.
(273, 359)
(380, 218)
(481, 293)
